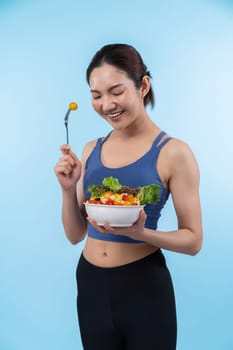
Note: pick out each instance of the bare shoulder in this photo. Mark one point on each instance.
(179, 149)
(181, 158)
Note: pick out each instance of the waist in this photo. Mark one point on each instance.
(112, 254)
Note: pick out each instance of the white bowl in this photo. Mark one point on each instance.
(115, 215)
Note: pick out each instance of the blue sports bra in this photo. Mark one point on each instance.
(142, 172)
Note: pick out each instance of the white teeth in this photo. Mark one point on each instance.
(114, 115)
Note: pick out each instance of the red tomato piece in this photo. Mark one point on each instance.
(125, 197)
(109, 201)
(94, 201)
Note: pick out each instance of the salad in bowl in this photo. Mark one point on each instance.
(118, 204)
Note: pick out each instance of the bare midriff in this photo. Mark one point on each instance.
(112, 254)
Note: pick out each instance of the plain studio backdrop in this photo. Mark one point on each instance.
(45, 47)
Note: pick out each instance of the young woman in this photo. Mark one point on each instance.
(125, 293)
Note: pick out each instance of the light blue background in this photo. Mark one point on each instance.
(45, 47)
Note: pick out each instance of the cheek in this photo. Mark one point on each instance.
(95, 105)
(97, 108)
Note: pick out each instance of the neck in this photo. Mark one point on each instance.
(139, 127)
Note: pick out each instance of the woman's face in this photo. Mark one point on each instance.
(115, 97)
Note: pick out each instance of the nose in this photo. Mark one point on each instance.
(108, 104)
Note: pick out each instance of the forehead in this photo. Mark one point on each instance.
(107, 76)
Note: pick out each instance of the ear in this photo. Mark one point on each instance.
(145, 86)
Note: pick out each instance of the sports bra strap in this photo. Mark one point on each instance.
(163, 143)
(103, 139)
(155, 144)
(158, 138)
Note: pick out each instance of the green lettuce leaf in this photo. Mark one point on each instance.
(148, 194)
(96, 190)
(111, 183)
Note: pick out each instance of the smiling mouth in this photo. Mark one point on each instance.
(115, 115)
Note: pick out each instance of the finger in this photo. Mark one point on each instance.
(96, 226)
(68, 168)
(65, 149)
(73, 155)
(63, 169)
(68, 158)
(141, 217)
(108, 228)
(66, 163)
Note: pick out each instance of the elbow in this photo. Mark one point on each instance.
(194, 251)
(196, 246)
(75, 239)
(77, 235)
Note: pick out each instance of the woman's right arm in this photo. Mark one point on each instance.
(70, 171)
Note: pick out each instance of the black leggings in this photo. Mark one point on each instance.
(130, 307)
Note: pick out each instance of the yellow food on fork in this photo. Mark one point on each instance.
(73, 106)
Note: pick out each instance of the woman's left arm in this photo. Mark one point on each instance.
(184, 187)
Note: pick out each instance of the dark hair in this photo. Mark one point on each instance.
(126, 58)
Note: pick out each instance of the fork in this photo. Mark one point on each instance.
(72, 107)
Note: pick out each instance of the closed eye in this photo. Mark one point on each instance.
(118, 93)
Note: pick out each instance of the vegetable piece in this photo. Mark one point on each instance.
(148, 194)
(111, 183)
(124, 195)
(96, 190)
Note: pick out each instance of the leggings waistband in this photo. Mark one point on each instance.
(156, 257)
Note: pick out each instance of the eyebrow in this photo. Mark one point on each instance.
(110, 89)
